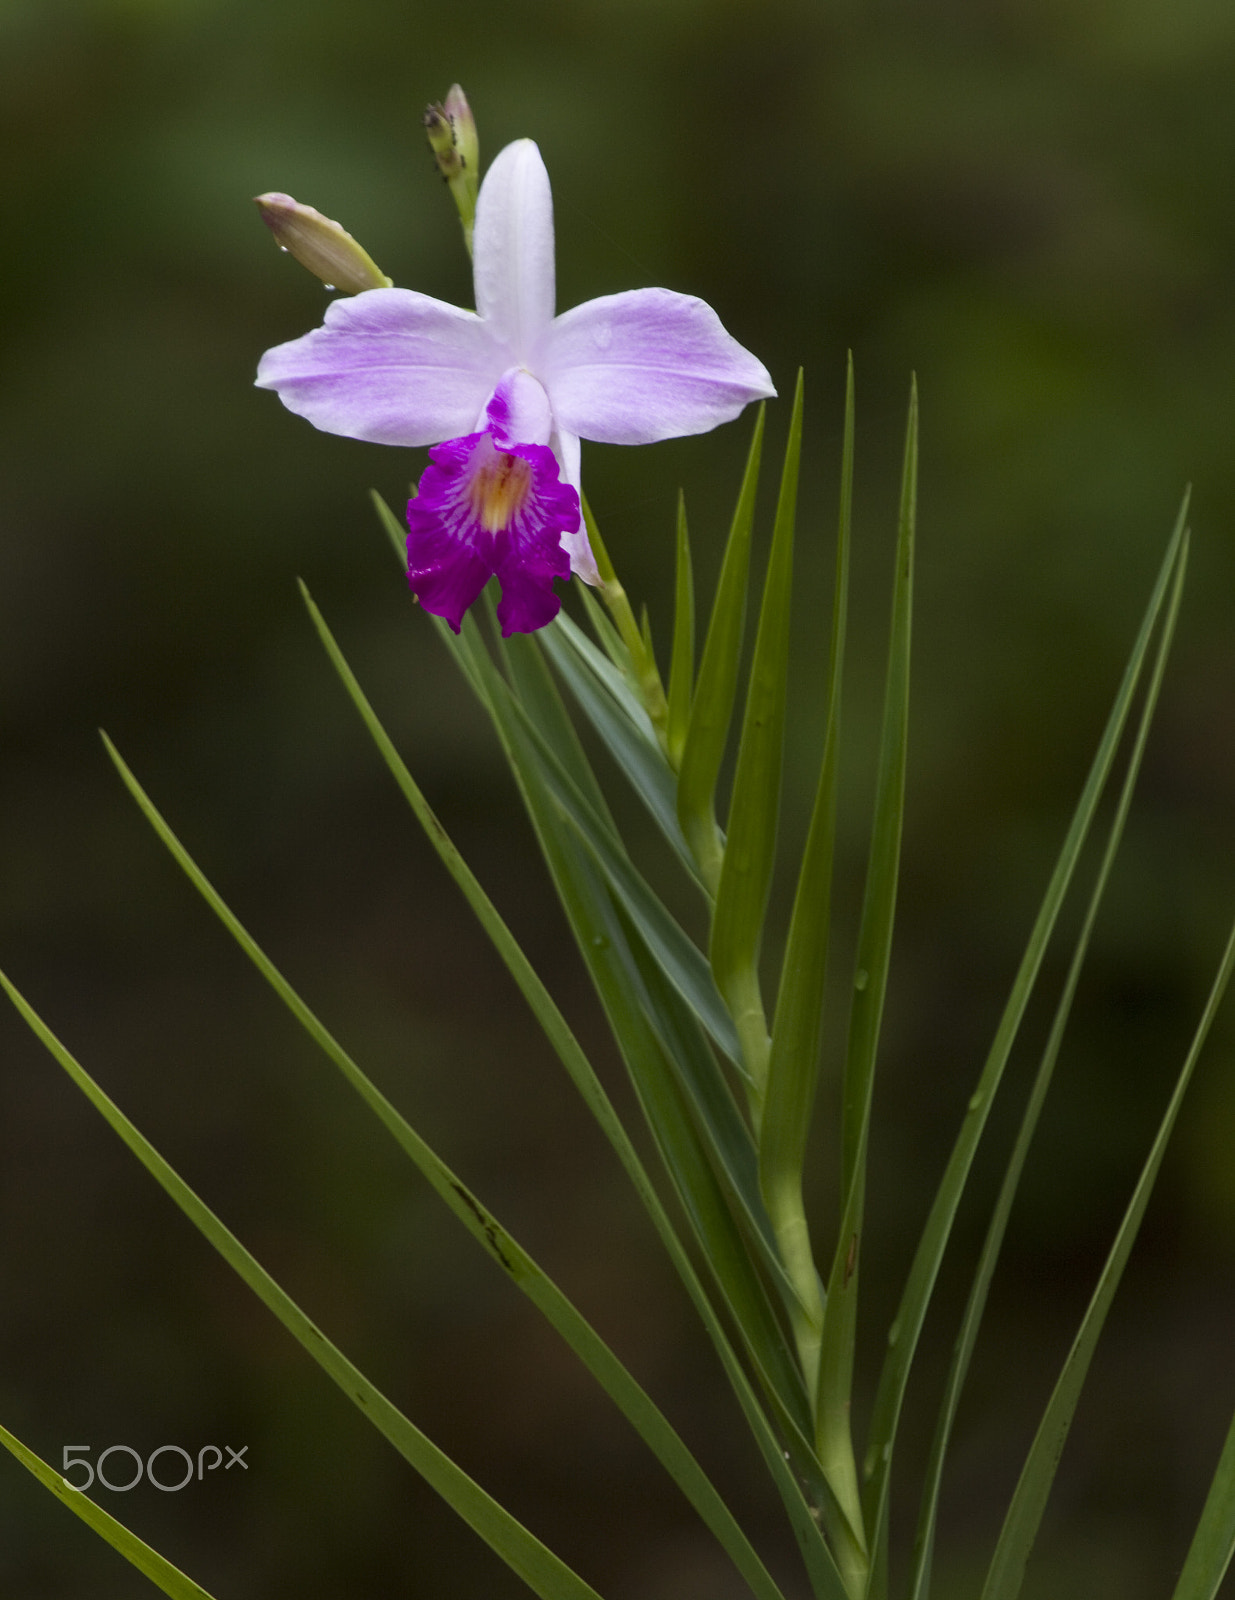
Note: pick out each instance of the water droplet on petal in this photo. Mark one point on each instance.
(603, 335)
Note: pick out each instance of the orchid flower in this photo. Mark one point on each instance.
(505, 393)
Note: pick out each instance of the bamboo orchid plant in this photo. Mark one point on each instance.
(723, 1054)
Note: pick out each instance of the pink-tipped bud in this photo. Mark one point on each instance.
(451, 131)
(329, 251)
(467, 142)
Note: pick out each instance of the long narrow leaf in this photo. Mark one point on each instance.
(396, 534)
(683, 962)
(636, 642)
(534, 685)
(836, 1356)
(655, 1081)
(613, 678)
(754, 812)
(629, 738)
(596, 926)
(870, 987)
(606, 633)
(907, 1326)
(1007, 1569)
(1214, 1540)
(976, 1303)
(825, 1580)
(136, 1551)
(682, 663)
(601, 939)
(879, 901)
(543, 1572)
(525, 1272)
(727, 1138)
(793, 1061)
(712, 710)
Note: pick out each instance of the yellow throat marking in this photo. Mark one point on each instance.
(498, 490)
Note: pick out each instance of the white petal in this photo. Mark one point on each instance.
(566, 449)
(645, 365)
(518, 410)
(582, 561)
(390, 366)
(512, 249)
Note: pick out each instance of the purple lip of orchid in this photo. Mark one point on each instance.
(490, 507)
(395, 367)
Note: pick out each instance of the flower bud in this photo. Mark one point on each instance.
(451, 131)
(463, 123)
(328, 250)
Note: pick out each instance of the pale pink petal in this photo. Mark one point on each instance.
(390, 366)
(512, 249)
(645, 365)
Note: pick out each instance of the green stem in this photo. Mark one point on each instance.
(647, 674)
(643, 663)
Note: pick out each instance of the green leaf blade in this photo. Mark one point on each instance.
(919, 1587)
(1007, 1569)
(136, 1551)
(793, 1060)
(1213, 1543)
(485, 1228)
(679, 957)
(396, 535)
(873, 960)
(608, 949)
(682, 661)
(726, 1137)
(712, 710)
(919, 1286)
(750, 847)
(601, 940)
(622, 726)
(793, 1057)
(543, 1572)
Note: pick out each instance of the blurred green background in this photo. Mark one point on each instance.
(1028, 202)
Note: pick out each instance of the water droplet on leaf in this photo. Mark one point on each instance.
(860, 978)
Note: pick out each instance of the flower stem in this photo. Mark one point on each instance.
(639, 647)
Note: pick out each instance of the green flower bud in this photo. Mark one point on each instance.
(451, 131)
(329, 251)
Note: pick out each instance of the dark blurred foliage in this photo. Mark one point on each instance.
(1029, 204)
